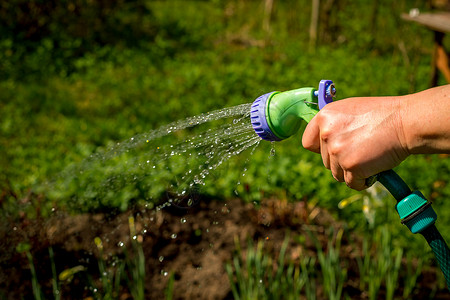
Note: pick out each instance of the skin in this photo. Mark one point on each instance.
(360, 137)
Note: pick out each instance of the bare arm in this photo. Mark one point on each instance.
(360, 137)
(426, 121)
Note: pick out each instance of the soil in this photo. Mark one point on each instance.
(188, 246)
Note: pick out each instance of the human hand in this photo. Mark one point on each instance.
(358, 138)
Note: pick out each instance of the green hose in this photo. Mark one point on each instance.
(440, 249)
(418, 215)
(394, 184)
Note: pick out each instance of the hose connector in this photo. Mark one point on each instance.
(416, 212)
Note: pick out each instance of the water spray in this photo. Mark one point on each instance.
(276, 116)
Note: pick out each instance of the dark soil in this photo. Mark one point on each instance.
(189, 246)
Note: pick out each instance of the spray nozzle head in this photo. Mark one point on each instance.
(276, 116)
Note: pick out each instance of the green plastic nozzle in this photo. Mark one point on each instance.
(285, 110)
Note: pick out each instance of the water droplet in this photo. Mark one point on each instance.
(183, 220)
(161, 258)
(120, 244)
(173, 236)
(272, 149)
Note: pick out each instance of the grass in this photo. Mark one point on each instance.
(334, 274)
(59, 108)
(254, 274)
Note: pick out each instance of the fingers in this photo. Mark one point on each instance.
(354, 182)
(316, 138)
(311, 136)
(337, 171)
(324, 153)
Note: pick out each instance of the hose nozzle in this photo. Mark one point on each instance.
(276, 116)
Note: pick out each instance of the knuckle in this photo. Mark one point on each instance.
(326, 134)
(335, 148)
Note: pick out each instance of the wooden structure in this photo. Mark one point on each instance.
(439, 23)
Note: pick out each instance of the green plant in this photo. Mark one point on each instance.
(110, 278)
(412, 273)
(169, 288)
(334, 274)
(135, 263)
(307, 268)
(380, 265)
(254, 274)
(25, 248)
(55, 282)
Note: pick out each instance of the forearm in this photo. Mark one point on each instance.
(425, 118)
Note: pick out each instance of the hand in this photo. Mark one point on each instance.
(358, 138)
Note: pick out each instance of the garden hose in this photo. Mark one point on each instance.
(276, 116)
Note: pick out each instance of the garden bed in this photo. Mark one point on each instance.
(185, 251)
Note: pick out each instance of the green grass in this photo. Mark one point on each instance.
(59, 106)
(383, 270)
(255, 274)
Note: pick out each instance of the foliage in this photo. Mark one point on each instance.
(51, 34)
(77, 77)
(255, 274)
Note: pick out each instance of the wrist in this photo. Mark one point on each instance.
(406, 128)
(425, 122)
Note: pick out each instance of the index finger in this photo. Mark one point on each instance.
(311, 136)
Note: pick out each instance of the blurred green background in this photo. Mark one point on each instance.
(78, 76)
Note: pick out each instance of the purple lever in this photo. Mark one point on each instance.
(326, 92)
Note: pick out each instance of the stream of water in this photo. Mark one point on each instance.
(171, 162)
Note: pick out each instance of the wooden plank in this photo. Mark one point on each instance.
(438, 21)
